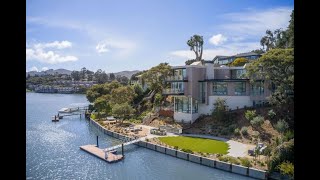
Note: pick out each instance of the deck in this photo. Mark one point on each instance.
(94, 150)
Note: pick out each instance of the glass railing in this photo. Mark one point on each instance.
(176, 78)
(173, 91)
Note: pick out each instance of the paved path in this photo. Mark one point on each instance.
(237, 149)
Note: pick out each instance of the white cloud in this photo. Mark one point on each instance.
(253, 22)
(101, 48)
(34, 69)
(37, 52)
(122, 47)
(44, 68)
(55, 44)
(217, 39)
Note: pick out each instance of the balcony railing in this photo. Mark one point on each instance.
(173, 91)
(176, 78)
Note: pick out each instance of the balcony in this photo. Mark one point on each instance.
(173, 91)
(176, 78)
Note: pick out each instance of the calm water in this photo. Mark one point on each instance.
(53, 149)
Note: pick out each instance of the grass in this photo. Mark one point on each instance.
(197, 144)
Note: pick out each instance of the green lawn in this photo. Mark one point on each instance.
(197, 144)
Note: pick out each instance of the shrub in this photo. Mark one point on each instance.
(234, 160)
(225, 131)
(286, 168)
(288, 135)
(244, 130)
(250, 114)
(271, 114)
(257, 121)
(232, 127)
(176, 147)
(245, 162)
(223, 158)
(147, 140)
(281, 126)
(187, 151)
(237, 132)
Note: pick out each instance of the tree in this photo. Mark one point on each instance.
(75, 75)
(123, 94)
(155, 76)
(83, 73)
(290, 31)
(139, 93)
(277, 67)
(122, 110)
(102, 104)
(196, 45)
(220, 108)
(158, 98)
(112, 76)
(239, 62)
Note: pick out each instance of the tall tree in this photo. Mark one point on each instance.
(83, 73)
(122, 110)
(112, 76)
(155, 76)
(75, 75)
(122, 95)
(196, 45)
(290, 31)
(276, 66)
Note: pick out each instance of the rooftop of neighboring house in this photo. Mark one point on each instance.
(247, 54)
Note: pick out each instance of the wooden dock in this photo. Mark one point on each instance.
(94, 150)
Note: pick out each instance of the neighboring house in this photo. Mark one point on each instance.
(196, 87)
(229, 59)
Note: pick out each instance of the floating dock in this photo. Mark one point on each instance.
(94, 150)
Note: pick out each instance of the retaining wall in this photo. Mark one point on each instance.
(251, 172)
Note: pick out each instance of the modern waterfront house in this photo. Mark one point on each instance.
(196, 87)
(229, 59)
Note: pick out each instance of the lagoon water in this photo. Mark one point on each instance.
(52, 149)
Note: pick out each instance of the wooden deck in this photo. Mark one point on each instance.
(92, 149)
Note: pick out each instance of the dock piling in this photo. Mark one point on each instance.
(97, 141)
(122, 149)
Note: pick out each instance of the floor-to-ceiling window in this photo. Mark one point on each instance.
(257, 88)
(183, 104)
(220, 88)
(240, 88)
(202, 91)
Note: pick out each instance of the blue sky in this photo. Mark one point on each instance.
(139, 34)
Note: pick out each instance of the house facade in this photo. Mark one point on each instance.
(223, 60)
(196, 87)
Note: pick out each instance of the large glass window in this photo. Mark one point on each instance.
(183, 104)
(238, 73)
(177, 87)
(220, 88)
(257, 88)
(240, 88)
(203, 90)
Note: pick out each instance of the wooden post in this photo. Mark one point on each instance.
(97, 142)
(122, 149)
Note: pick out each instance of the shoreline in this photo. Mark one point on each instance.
(225, 166)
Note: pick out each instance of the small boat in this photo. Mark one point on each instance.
(64, 110)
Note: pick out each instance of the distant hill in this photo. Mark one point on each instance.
(49, 71)
(128, 74)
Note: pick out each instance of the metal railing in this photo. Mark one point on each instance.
(173, 91)
(176, 78)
